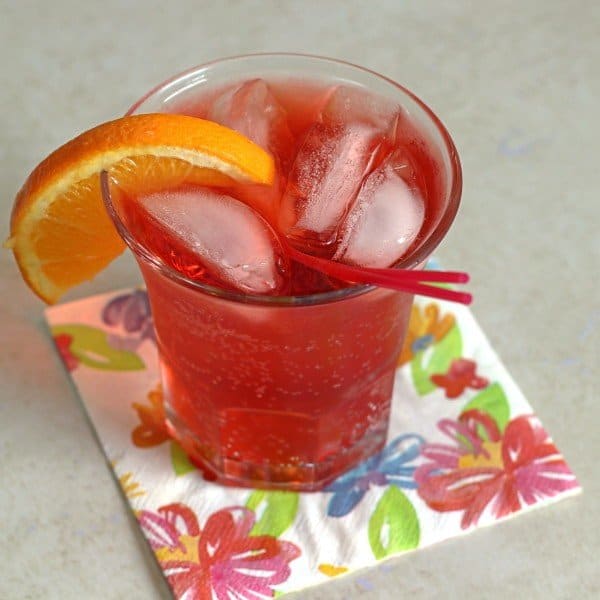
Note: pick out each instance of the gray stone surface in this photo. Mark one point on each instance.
(516, 82)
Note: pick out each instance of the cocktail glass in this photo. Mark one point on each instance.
(283, 392)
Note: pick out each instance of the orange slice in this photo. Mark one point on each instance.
(60, 232)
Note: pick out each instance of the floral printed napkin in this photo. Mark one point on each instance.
(464, 451)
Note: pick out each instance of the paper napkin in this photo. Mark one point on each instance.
(465, 450)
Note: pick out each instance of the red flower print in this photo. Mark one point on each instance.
(63, 345)
(459, 377)
(485, 469)
(222, 560)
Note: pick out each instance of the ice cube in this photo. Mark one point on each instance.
(385, 219)
(252, 109)
(356, 105)
(227, 238)
(337, 153)
(325, 178)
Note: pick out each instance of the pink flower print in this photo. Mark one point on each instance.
(220, 561)
(485, 469)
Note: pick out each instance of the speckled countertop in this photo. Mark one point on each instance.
(516, 82)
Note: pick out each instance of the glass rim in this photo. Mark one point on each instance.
(411, 261)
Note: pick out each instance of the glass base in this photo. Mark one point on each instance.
(299, 476)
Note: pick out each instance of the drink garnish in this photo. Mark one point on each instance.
(61, 234)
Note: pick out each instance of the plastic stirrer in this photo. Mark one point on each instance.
(404, 280)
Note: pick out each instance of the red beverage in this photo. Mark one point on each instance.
(275, 375)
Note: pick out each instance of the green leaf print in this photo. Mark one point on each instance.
(444, 352)
(394, 525)
(90, 346)
(492, 401)
(181, 463)
(277, 511)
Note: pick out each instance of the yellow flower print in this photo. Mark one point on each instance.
(426, 327)
(332, 570)
(131, 488)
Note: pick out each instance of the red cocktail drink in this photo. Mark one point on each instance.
(275, 375)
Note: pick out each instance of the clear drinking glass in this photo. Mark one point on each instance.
(284, 392)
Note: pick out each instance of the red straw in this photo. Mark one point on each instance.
(404, 280)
